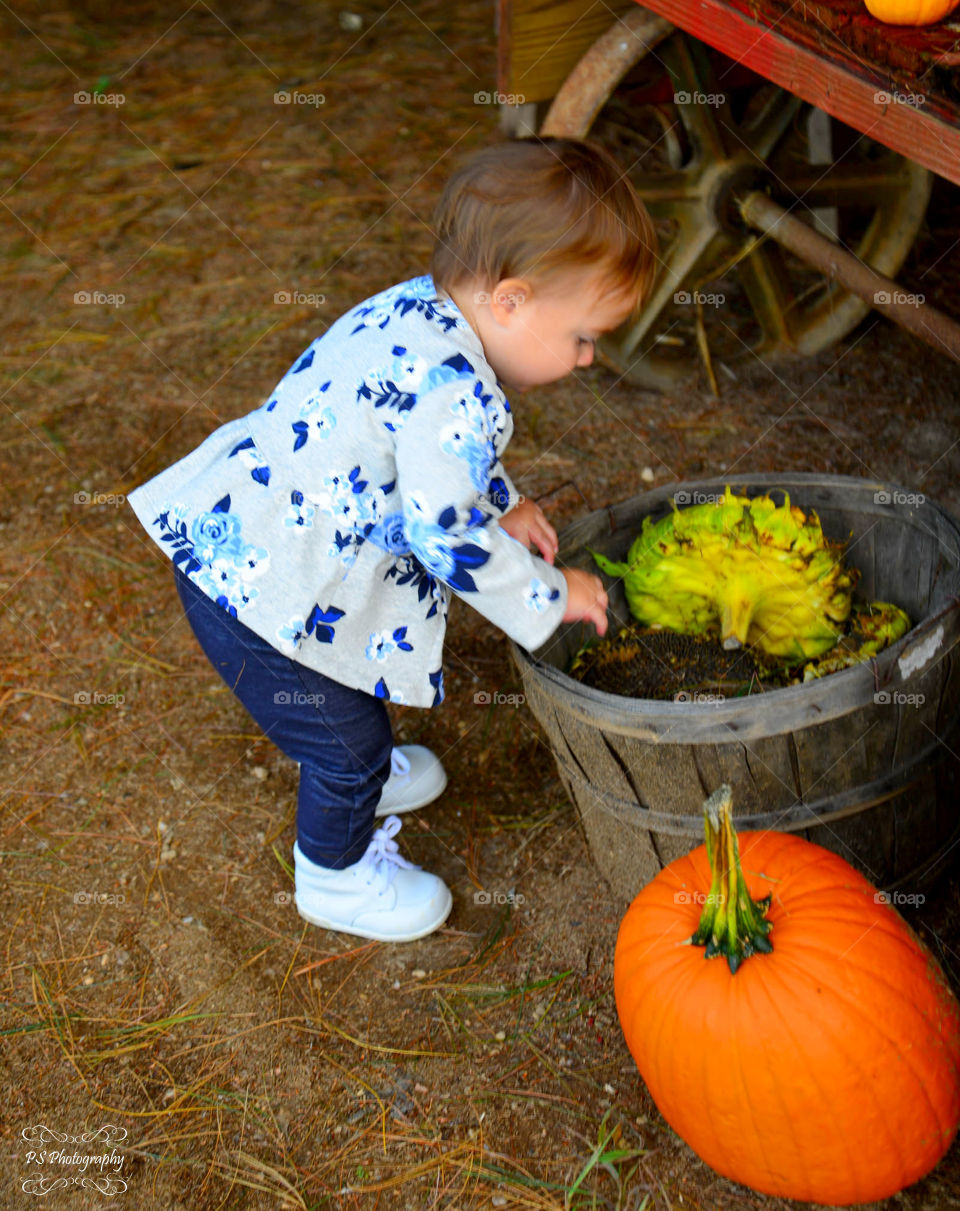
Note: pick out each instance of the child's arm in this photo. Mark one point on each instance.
(586, 599)
(455, 494)
(527, 523)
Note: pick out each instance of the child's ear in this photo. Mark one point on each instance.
(507, 297)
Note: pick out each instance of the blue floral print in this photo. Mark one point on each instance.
(498, 494)
(339, 516)
(393, 387)
(419, 294)
(251, 457)
(477, 453)
(223, 581)
(388, 534)
(538, 595)
(289, 635)
(321, 623)
(437, 547)
(213, 532)
(215, 556)
(355, 509)
(315, 419)
(382, 645)
(300, 515)
(409, 571)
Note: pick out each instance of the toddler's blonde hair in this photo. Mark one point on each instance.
(536, 208)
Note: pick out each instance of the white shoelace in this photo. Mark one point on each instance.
(399, 764)
(383, 855)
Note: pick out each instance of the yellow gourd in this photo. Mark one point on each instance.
(910, 12)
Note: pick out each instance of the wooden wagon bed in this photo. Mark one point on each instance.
(899, 85)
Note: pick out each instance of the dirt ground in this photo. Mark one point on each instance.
(161, 996)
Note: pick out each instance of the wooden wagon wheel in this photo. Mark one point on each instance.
(695, 132)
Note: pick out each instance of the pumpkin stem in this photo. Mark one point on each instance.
(731, 924)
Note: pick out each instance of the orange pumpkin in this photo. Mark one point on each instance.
(910, 12)
(827, 1068)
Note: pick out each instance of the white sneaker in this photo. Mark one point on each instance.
(383, 896)
(416, 779)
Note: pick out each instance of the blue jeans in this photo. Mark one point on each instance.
(341, 736)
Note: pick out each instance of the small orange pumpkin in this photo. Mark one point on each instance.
(910, 12)
(821, 1061)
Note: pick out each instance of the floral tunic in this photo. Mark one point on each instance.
(336, 519)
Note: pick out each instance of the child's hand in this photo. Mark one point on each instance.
(586, 599)
(527, 524)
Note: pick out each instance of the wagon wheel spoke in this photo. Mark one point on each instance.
(841, 184)
(705, 116)
(765, 280)
(763, 128)
(663, 191)
(695, 246)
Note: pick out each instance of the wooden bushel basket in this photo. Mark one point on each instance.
(862, 762)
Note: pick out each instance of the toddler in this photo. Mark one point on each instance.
(316, 541)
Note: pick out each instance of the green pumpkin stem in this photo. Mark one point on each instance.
(731, 924)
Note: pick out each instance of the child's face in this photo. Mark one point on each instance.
(536, 335)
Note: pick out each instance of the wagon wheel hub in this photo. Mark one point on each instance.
(725, 188)
(716, 190)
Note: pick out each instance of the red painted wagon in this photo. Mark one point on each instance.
(785, 150)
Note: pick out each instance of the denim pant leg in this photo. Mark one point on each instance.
(341, 736)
